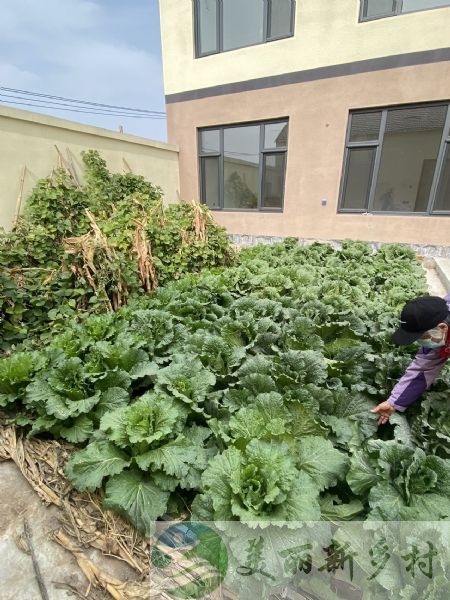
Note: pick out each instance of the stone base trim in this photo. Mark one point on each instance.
(245, 241)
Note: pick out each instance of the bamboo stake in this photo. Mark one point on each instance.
(127, 166)
(20, 195)
(72, 166)
(63, 163)
(60, 158)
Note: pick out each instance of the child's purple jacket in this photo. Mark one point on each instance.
(419, 376)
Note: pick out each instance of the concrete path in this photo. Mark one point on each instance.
(437, 271)
(443, 271)
(18, 581)
(57, 566)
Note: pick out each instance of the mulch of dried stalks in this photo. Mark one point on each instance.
(84, 525)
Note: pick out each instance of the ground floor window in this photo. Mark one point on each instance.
(397, 160)
(243, 167)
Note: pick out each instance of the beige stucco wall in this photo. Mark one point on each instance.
(327, 33)
(318, 115)
(29, 139)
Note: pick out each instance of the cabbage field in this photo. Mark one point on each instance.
(245, 394)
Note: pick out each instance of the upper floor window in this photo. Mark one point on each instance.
(376, 9)
(222, 25)
(397, 160)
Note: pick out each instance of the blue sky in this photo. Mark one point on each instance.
(105, 51)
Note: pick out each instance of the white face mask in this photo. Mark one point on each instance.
(435, 338)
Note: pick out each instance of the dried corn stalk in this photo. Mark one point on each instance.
(39, 462)
(158, 213)
(200, 222)
(88, 247)
(119, 590)
(142, 249)
(184, 240)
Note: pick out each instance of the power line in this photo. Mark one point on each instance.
(72, 100)
(87, 112)
(55, 105)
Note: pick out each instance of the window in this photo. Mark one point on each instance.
(242, 167)
(376, 9)
(379, 8)
(207, 27)
(397, 160)
(222, 25)
(442, 202)
(242, 23)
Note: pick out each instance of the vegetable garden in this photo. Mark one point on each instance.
(240, 393)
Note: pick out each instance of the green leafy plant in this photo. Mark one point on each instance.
(150, 450)
(402, 482)
(245, 393)
(88, 249)
(260, 484)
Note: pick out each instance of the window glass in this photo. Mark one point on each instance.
(443, 193)
(207, 26)
(412, 5)
(275, 135)
(210, 141)
(210, 184)
(236, 172)
(379, 8)
(273, 180)
(243, 23)
(280, 18)
(241, 167)
(359, 170)
(365, 126)
(408, 158)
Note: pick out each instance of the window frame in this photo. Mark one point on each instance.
(445, 145)
(221, 156)
(378, 145)
(398, 11)
(219, 28)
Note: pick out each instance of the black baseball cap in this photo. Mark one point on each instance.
(418, 316)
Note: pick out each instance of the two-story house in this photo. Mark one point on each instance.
(325, 119)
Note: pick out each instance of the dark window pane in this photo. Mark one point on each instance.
(280, 18)
(210, 182)
(210, 141)
(359, 169)
(207, 26)
(379, 8)
(412, 5)
(241, 167)
(410, 148)
(443, 193)
(275, 135)
(273, 175)
(365, 126)
(243, 23)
